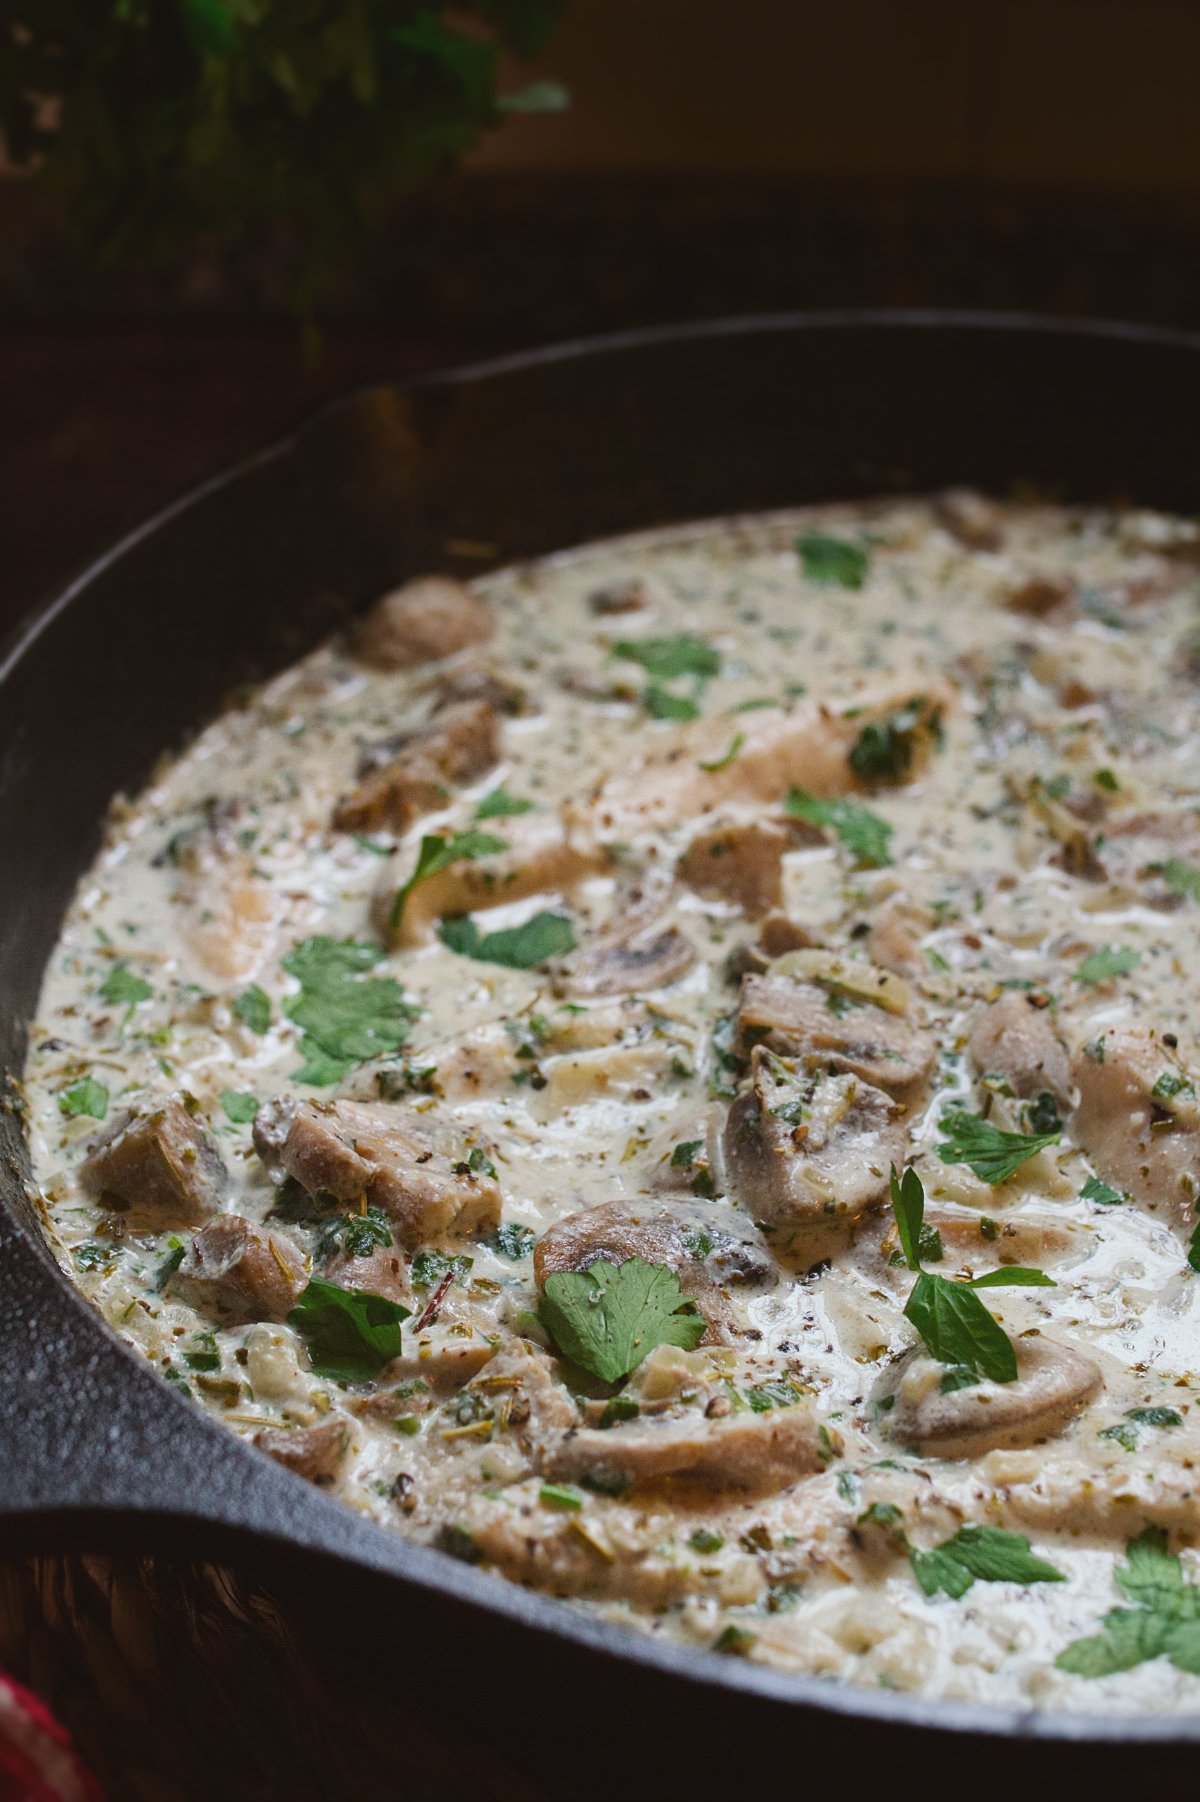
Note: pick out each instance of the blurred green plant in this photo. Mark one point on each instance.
(156, 122)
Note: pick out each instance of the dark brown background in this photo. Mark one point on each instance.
(719, 156)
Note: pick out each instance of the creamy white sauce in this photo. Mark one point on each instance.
(228, 859)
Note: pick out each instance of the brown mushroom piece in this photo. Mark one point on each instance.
(738, 863)
(161, 1160)
(828, 1027)
(750, 1453)
(972, 518)
(1054, 1382)
(316, 1453)
(428, 618)
(348, 1150)
(460, 743)
(713, 1249)
(1138, 1120)
(626, 960)
(1015, 1038)
(234, 1273)
(808, 1153)
(1043, 597)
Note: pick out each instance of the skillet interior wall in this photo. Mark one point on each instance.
(528, 459)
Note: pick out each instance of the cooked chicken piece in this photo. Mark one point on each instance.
(1054, 1382)
(748, 1452)
(809, 747)
(625, 960)
(459, 744)
(349, 1149)
(1138, 1119)
(235, 1273)
(807, 1154)
(161, 1160)
(829, 1029)
(1015, 1039)
(1099, 1488)
(227, 915)
(712, 1248)
(741, 863)
(428, 618)
(315, 1453)
(1134, 848)
(972, 518)
(542, 857)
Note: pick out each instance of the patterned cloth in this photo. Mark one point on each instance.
(37, 1760)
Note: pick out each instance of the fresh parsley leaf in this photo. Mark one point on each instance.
(560, 1495)
(512, 1240)
(833, 562)
(355, 1235)
(203, 1354)
(87, 1096)
(438, 851)
(239, 1106)
(522, 947)
(1165, 1621)
(253, 1009)
(661, 704)
(862, 832)
(1106, 780)
(884, 749)
(1181, 878)
(429, 1267)
(1108, 962)
(984, 1554)
(351, 1334)
(723, 762)
(1125, 1432)
(1170, 1084)
(122, 988)
(345, 1016)
(1103, 1194)
(685, 1154)
(992, 1154)
(908, 1205)
(668, 658)
(500, 805)
(609, 1317)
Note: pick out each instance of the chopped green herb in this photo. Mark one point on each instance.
(1181, 878)
(986, 1554)
(1103, 1194)
(1163, 1623)
(92, 1256)
(355, 1235)
(661, 704)
(523, 947)
(122, 988)
(706, 1542)
(723, 762)
(87, 1097)
(560, 1495)
(862, 832)
(994, 1155)
(1094, 1049)
(685, 1155)
(345, 1017)
(500, 805)
(618, 1410)
(253, 1009)
(239, 1106)
(884, 749)
(203, 1353)
(1108, 962)
(735, 1641)
(175, 1255)
(1106, 780)
(429, 1267)
(832, 562)
(1125, 1432)
(351, 1334)
(668, 658)
(609, 1317)
(512, 1240)
(1170, 1084)
(438, 851)
(372, 845)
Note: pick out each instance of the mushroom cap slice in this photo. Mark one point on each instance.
(1054, 1382)
(1016, 1039)
(748, 1452)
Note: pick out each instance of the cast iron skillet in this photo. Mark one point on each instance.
(528, 455)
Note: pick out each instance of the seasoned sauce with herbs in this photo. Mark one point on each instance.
(671, 1073)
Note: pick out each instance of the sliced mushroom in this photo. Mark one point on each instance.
(971, 517)
(234, 1273)
(161, 1160)
(347, 1150)
(807, 1154)
(828, 1027)
(428, 618)
(1138, 1119)
(1015, 1038)
(776, 935)
(1054, 1382)
(1043, 597)
(459, 744)
(740, 863)
(315, 1453)
(713, 1249)
(750, 1452)
(626, 961)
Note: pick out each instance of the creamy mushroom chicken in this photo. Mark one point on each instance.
(671, 1074)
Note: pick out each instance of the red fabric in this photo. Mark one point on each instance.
(37, 1760)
